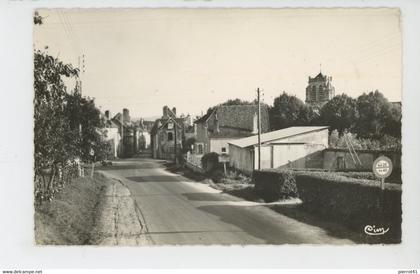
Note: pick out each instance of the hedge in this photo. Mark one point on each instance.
(210, 161)
(275, 184)
(354, 203)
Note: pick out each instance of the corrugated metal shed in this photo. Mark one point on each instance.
(275, 135)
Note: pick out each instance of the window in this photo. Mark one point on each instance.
(223, 150)
(200, 149)
(170, 136)
(313, 93)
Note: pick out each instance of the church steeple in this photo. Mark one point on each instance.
(319, 90)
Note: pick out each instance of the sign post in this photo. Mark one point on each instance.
(92, 153)
(382, 168)
(224, 158)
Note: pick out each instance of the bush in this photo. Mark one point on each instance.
(275, 184)
(210, 161)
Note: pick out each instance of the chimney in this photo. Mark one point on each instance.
(216, 123)
(107, 114)
(165, 112)
(174, 110)
(255, 124)
(126, 115)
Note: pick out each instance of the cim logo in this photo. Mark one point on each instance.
(374, 231)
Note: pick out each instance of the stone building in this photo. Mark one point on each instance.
(167, 135)
(226, 123)
(319, 90)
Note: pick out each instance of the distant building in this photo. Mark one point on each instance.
(143, 137)
(112, 136)
(167, 134)
(319, 90)
(226, 123)
(293, 147)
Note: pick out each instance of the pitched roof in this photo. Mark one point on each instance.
(238, 116)
(159, 123)
(275, 135)
(203, 118)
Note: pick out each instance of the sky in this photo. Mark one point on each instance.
(192, 59)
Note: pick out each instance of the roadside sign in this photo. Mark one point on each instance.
(223, 158)
(382, 167)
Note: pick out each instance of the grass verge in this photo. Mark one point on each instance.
(70, 217)
(232, 183)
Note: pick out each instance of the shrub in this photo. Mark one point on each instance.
(275, 184)
(210, 161)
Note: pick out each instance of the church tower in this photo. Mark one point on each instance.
(319, 90)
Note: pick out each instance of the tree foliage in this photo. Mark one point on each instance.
(340, 113)
(377, 116)
(58, 117)
(232, 102)
(386, 142)
(369, 116)
(288, 110)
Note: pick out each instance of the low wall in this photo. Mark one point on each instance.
(334, 159)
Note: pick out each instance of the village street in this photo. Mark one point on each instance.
(174, 210)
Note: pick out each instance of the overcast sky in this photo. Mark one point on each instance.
(143, 59)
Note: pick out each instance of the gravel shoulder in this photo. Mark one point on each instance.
(119, 221)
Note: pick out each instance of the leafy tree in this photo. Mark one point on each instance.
(340, 113)
(375, 115)
(84, 117)
(288, 110)
(307, 116)
(393, 122)
(53, 137)
(232, 102)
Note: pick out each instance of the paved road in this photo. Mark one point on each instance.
(175, 210)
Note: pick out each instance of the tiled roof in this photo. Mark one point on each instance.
(163, 121)
(242, 116)
(275, 135)
(203, 118)
(238, 117)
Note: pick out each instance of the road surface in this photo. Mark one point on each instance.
(174, 210)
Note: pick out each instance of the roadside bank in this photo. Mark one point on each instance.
(70, 217)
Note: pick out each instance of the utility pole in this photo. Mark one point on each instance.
(259, 128)
(81, 67)
(122, 133)
(175, 140)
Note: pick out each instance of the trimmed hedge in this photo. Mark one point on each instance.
(273, 185)
(352, 202)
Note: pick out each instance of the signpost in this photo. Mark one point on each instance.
(92, 153)
(382, 167)
(224, 158)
